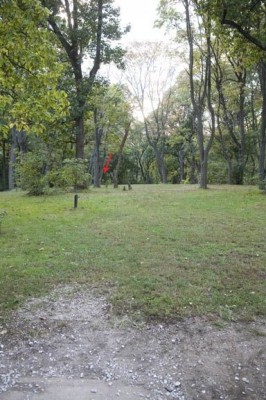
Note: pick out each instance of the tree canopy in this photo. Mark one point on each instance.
(193, 110)
(29, 71)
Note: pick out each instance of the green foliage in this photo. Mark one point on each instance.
(31, 173)
(217, 172)
(75, 173)
(3, 214)
(28, 68)
(86, 30)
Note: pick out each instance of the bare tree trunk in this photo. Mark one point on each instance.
(199, 99)
(229, 172)
(262, 150)
(79, 136)
(120, 153)
(159, 155)
(181, 163)
(98, 134)
(96, 159)
(143, 175)
(160, 163)
(242, 142)
(4, 167)
(12, 160)
(18, 141)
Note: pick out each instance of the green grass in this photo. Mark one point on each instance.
(162, 252)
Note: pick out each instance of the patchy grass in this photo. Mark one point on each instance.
(162, 252)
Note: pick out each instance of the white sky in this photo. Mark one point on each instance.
(141, 14)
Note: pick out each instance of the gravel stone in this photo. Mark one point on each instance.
(73, 336)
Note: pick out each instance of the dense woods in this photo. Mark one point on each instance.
(190, 110)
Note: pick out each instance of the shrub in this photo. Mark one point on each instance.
(75, 173)
(3, 214)
(31, 173)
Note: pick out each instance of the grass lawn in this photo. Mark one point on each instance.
(158, 251)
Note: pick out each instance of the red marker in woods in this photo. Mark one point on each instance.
(106, 165)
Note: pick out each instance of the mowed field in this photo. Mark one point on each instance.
(160, 252)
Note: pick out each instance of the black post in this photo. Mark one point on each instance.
(76, 201)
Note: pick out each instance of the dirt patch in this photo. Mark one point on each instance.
(69, 345)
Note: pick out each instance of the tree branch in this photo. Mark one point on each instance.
(97, 59)
(60, 36)
(68, 14)
(242, 31)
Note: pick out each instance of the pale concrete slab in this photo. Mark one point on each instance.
(72, 389)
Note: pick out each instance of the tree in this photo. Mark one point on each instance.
(120, 154)
(85, 31)
(230, 77)
(150, 74)
(138, 148)
(247, 19)
(181, 141)
(196, 29)
(29, 71)
(110, 121)
(201, 89)
(238, 28)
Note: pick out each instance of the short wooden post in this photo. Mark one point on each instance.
(76, 201)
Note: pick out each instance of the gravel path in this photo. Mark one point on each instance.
(69, 345)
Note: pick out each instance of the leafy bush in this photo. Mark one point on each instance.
(3, 214)
(217, 172)
(75, 173)
(30, 173)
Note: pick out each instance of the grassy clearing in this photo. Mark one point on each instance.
(162, 252)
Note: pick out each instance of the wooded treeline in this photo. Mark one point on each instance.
(190, 111)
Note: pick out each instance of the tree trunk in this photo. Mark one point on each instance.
(4, 167)
(229, 172)
(12, 160)
(120, 153)
(160, 164)
(159, 155)
(262, 149)
(96, 160)
(242, 146)
(202, 153)
(199, 99)
(143, 175)
(181, 164)
(203, 181)
(79, 136)
(73, 45)
(98, 134)
(193, 178)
